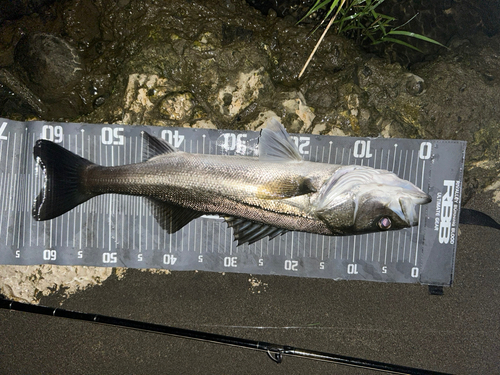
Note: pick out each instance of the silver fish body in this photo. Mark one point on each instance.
(259, 197)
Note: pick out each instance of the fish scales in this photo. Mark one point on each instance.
(219, 184)
(258, 197)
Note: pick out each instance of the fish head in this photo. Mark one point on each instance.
(359, 200)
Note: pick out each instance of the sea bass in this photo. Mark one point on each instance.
(258, 197)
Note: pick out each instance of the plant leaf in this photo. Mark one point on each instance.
(398, 41)
(414, 35)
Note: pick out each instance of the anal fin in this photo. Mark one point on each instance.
(170, 217)
(246, 231)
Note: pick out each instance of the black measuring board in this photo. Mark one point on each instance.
(114, 230)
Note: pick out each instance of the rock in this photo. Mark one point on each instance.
(414, 85)
(52, 65)
(12, 9)
(177, 106)
(241, 92)
(216, 64)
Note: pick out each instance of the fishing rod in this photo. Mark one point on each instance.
(275, 351)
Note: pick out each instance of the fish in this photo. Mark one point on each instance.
(264, 196)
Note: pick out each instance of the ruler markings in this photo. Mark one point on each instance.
(38, 183)
(51, 234)
(349, 238)
(98, 199)
(2, 157)
(394, 158)
(117, 207)
(201, 239)
(90, 205)
(392, 170)
(303, 243)
(61, 233)
(58, 233)
(342, 239)
(124, 199)
(380, 234)
(19, 194)
(165, 239)
(191, 223)
(6, 183)
(73, 213)
(386, 237)
(80, 209)
(2, 179)
(398, 249)
(374, 236)
(196, 221)
(68, 222)
(419, 215)
(330, 143)
(399, 162)
(213, 234)
(369, 242)
(410, 179)
(27, 224)
(139, 237)
(11, 188)
(261, 249)
(404, 177)
(273, 245)
(110, 201)
(27, 191)
(354, 249)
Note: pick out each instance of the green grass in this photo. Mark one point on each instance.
(359, 20)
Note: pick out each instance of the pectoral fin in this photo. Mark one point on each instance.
(285, 188)
(340, 212)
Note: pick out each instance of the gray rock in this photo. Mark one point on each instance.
(52, 65)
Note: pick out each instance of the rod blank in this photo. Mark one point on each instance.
(274, 351)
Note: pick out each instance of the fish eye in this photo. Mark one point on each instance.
(384, 223)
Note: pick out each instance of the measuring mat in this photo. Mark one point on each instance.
(115, 230)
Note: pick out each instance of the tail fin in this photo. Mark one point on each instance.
(62, 189)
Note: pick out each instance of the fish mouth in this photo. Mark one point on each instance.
(423, 198)
(409, 206)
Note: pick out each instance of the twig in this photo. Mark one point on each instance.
(321, 39)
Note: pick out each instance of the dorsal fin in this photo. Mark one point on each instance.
(155, 146)
(246, 231)
(276, 145)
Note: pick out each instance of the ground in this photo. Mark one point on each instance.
(396, 323)
(228, 66)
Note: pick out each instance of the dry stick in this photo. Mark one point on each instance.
(320, 39)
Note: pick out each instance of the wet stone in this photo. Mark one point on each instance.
(177, 106)
(231, 34)
(52, 65)
(99, 101)
(414, 85)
